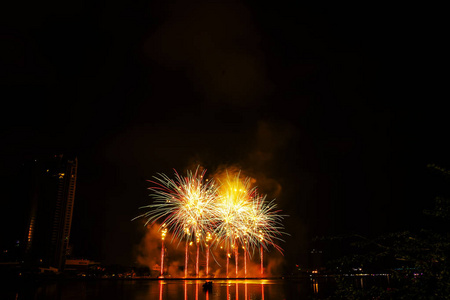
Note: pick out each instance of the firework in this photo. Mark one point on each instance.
(232, 208)
(184, 205)
(246, 218)
(237, 216)
(265, 226)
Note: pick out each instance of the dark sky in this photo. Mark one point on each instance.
(335, 110)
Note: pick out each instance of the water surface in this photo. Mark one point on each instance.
(170, 289)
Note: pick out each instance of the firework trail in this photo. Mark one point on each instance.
(163, 237)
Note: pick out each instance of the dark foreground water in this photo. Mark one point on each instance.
(169, 289)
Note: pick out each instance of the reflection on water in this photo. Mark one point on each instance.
(222, 289)
(228, 289)
(169, 289)
(315, 284)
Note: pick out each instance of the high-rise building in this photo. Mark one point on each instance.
(50, 189)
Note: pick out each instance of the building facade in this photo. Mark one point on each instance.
(50, 185)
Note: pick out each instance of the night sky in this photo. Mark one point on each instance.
(335, 110)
